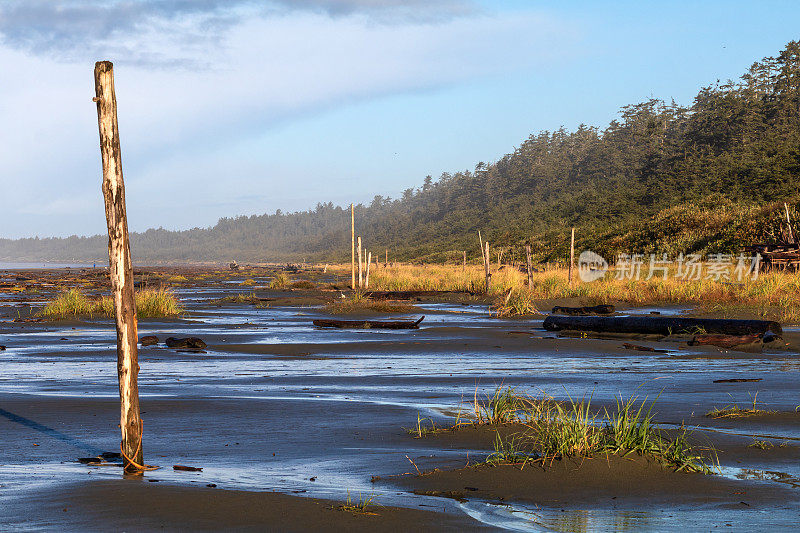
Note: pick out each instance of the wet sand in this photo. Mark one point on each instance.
(278, 405)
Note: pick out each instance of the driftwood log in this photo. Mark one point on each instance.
(368, 324)
(729, 341)
(584, 311)
(648, 325)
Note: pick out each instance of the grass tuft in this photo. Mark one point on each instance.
(279, 281)
(557, 429)
(357, 302)
(74, 303)
(358, 507)
(734, 411)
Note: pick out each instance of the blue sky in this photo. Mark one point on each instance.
(240, 107)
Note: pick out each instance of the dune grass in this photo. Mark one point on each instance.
(734, 411)
(279, 281)
(73, 303)
(357, 302)
(360, 506)
(773, 294)
(552, 430)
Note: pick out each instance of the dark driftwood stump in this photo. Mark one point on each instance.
(661, 325)
(585, 311)
(368, 324)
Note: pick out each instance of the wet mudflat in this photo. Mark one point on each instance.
(276, 405)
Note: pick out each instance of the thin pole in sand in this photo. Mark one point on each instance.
(360, 266)
(369, 260)
(352, 247)
(120, 269)
(486, 267)
(530, 266)
(571, 254)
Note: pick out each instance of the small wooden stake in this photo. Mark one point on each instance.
(360, 265)
(571, 254)
(352, 247)
(120, 267)
(366, 279)
(486, 266)
(530, 266)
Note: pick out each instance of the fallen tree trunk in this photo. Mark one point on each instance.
(585, 311)
(724, 341)
(661, 325)
(368, 324)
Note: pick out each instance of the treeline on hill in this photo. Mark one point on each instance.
(663, 178)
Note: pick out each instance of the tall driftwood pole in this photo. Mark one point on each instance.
(352, 247)
(120, 269)
(360, 266)
(366, 278)
(571, 254)
(530, 266)
(486, 267)
(464, 260)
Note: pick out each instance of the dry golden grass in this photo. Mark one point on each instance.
(358, 303)
(772, 295)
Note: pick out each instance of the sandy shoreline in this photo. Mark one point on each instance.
(333, 405)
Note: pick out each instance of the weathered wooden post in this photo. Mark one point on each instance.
(571, 254)
(366, 278)
(530, 266)
(386, 260)
(464, 260)
(360, 265)
(352, 248)
(486, 267)
(120, 267)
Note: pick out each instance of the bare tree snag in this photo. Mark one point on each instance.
(464, 260)
(486, 267)
(571, 254)
(360, 266)
(366, 278)
(530, 266)
(120, 269)
(352, 247)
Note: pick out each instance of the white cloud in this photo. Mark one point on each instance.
(175, 123)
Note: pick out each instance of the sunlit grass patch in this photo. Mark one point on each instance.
(74, 303)
(551, 429)
(516, 302)
(279, 281)
(357, 302)
(361, 506)
(70, 303)
(772, 294)
(156, 303)
(734, 411)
